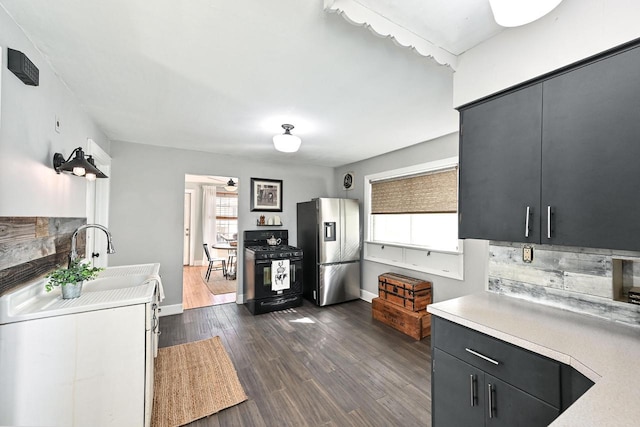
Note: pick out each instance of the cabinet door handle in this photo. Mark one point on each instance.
(548, 222)
(473, 384)
(482, 356)
(526, 222)
(491, 407)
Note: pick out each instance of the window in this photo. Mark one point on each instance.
(433, 231)
(226, 216)
(411, 215)
(418, 208)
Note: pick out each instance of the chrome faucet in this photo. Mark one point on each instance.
(74, 253)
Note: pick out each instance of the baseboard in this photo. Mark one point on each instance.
(169, 310)
(367, 296)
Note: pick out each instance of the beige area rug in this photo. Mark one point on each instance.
(192, 381)
(217, 283)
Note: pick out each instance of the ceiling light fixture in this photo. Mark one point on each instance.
(231, 186)
(79, 165)
(513, 13)
(286, 142)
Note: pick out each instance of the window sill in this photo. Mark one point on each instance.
(419, 248)
(448, 264)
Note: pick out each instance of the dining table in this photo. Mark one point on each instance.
(232, 254)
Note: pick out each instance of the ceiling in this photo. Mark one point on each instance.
(222, 76)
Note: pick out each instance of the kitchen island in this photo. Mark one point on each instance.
(603, 351)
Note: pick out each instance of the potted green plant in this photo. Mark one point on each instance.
(70, 279)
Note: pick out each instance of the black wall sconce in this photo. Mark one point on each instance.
(79, 165)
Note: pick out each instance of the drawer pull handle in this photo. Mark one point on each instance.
(526, 222)
(482, 356)
(473, 383)
(491, 407)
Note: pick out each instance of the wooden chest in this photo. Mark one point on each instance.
(416, 324)
(407, 292)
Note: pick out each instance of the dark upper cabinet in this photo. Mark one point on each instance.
(500, 167)
(566, 147)
(591, 154)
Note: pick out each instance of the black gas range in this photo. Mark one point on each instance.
(272, 271)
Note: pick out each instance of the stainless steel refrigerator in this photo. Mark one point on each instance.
(329, 235)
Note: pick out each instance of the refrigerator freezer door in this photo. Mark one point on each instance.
(338, 283)
(350, 230)
(329, 239)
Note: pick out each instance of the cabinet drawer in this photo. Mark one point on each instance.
(530, 372)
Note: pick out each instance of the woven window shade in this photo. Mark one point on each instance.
(435, 192)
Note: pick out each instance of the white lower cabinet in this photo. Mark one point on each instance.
(86, 369)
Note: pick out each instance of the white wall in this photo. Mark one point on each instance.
(475, 251)
(576, 29)
(147, 194)
(28, 184)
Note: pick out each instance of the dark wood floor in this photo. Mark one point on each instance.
(312, 366)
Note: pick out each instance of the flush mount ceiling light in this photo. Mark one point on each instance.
(513, 13)
(79, 165)
(231, 186)
(286, 142)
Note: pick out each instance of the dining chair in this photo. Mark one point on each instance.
(232, 264)
(212, 261)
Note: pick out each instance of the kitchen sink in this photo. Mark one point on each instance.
(114, 282)
(114, 286)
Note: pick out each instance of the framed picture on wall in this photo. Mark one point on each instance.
(266, 195)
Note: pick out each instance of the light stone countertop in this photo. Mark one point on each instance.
(604, 351)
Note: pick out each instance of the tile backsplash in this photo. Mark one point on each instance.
(576, 279)
(30, 247)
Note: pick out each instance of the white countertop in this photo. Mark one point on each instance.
(603, 351)
(114, 287)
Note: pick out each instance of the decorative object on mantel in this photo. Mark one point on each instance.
(269, 222)
(79, 165)
(286, 142)
(71, 279)
(266, 195)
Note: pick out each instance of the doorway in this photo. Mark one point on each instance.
(211, 218)
(98, 207)
(189, 201)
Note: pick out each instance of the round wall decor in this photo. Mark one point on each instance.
(348, 181)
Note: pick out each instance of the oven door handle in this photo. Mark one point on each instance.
(269, 261)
